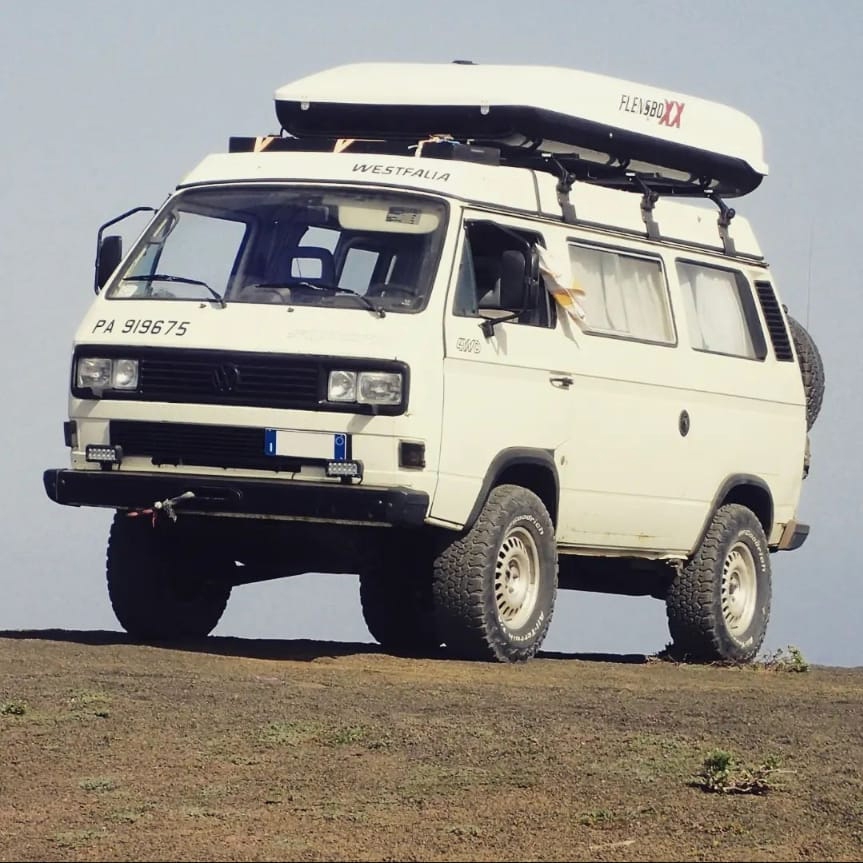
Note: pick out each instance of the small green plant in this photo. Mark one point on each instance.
(345, 734)
(97, 784)
(595, 817)
(722, 774)
(290, 733)
(92, 703)
(790, 659)
(13, 708)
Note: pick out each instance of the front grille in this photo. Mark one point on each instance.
(198, 445)
(242, 378)
(254, 380)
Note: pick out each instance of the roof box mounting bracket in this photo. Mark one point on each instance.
(648, 202)
(726, 214)
(565, 180)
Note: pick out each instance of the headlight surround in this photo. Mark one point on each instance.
(365, 388)
(104, 373)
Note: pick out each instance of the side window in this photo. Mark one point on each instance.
(477, 292)
(623, 295)
(720, 311)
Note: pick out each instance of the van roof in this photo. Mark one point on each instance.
(599, 127)
(503, 188)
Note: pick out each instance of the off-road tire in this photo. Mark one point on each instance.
(396, 598)
(495, 585)
(718, 605)
(162, 586)
(811, 369)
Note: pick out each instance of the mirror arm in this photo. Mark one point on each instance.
(102, 231)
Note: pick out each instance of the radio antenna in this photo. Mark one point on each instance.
(809, 278)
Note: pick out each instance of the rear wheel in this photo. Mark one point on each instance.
(718, 605)
(495, 585)
(164, 584)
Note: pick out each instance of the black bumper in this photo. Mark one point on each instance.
(253, 497)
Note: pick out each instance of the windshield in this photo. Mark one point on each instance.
(372, 251)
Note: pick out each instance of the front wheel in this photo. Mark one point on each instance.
(163, 584)
(718, 605)
(495, 585)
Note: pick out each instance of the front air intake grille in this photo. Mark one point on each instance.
(189, 444)
(256, 380)
(775, 322)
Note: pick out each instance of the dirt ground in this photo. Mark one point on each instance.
(236, 749)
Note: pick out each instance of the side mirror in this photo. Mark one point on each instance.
(108, 258)
(512, 280)
(109, 252)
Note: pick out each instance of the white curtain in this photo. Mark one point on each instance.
(717, 321)
(622, 294)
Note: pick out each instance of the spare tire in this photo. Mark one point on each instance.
(811, 369)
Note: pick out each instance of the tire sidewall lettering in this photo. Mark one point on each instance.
(538, 621)
(756, 546)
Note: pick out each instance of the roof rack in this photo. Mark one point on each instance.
(568, 168)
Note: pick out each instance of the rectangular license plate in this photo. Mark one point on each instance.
(303, 444)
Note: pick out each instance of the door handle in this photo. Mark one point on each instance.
(563, 382)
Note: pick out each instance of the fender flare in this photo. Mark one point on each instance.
(518, 458)
(725, 494)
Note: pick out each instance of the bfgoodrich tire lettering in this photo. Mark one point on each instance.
(495, 585)
(718, 605)
(161, 586)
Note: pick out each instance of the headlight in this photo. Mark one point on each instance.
(102, 373)
(365, 388)
(94, 373)
(342, 387)
(379, 388)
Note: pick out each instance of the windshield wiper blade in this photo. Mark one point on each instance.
(160, 277)
(336, 289)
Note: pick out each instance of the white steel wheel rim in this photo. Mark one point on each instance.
(739, 591)
(516, 578)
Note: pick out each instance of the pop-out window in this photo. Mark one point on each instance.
(623, 295)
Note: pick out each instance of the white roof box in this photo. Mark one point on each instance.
(596, 125)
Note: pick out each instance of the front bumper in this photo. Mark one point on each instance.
(237, 496)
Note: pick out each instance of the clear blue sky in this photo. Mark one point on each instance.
(104, 106)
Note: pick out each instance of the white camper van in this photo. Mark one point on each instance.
(476, 333)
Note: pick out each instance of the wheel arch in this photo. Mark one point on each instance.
(530, 468)
(747, 490)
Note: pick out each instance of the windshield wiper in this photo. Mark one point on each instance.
(336, 289)
(159, 277)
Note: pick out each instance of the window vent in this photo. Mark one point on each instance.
(775, 322)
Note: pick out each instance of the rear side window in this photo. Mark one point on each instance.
(720, 311)
(623, 295)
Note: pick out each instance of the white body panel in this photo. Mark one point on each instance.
(629, 482)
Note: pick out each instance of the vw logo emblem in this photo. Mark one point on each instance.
(226, 378)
